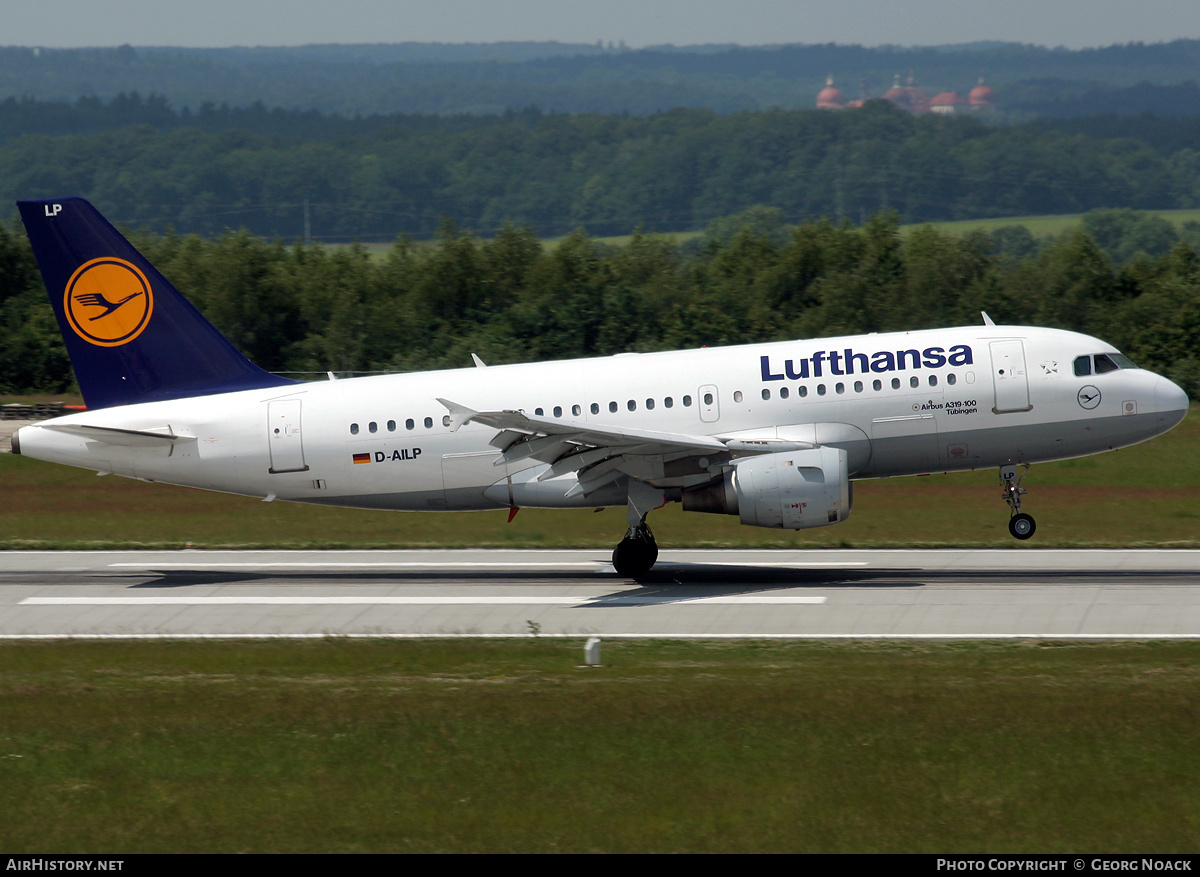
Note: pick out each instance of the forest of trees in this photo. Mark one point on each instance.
(274, 172)
(224, 164)
(1122, 276)
(487, 79)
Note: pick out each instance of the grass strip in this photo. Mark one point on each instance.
(486, 746)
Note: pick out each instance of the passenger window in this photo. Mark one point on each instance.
(914, 382)
(558, 411)
(372, 427)
(1083, 366)
(612, 407)
(354, 429)
(409, 424)
(595, 409)
(708, 398)
(933, 380)
(631, 405)
(538, 411)
(391, 426)
(783, 392)
(687, 401)
(649, 404)
(576, 410)
(766, 394)
(737, 395)
(858, 386)
(445, 420)
(803, 391)
(820, 389)
(951, 379)
(840, 388)
(669, 402)
(876, 385)
(429, 423)
(895, 383)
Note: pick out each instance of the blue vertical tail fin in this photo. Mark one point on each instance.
(132, 337)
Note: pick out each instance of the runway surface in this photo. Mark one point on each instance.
(689, 594)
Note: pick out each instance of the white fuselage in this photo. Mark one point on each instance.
(899, 404)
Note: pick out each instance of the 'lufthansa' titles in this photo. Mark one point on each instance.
(850, 362)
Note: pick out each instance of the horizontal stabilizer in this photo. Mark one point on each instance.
(126, 438)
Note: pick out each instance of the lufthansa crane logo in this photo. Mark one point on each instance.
(108, 302)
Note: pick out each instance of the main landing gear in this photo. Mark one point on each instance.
(1021, 525)
(636, 553)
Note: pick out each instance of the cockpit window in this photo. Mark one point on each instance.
(1104, 363)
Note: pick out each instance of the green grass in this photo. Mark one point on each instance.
(378, 252)
(1045, 226)
(1039, 226)
(1145, 495)
(375, 746)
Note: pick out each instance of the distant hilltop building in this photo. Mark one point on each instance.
(909, 97)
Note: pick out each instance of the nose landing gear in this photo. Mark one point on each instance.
(1020, 525)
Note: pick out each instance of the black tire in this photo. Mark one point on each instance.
(1021, 526)
(634, 558)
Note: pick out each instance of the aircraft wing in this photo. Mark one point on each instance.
(599, 453)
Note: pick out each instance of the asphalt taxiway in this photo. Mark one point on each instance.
(689, 594)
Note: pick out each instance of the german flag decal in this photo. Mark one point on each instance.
(362, 458)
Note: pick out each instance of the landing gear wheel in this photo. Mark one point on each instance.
(1019, 524)
(1022, 526)
(636, 553)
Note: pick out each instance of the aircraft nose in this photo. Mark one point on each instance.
(1171, 401)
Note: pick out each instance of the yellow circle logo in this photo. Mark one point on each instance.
(108, 302)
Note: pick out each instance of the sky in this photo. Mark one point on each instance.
(218, 23)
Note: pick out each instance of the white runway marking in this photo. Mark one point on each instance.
(1048, 637)
(589, 564)
(412, 601)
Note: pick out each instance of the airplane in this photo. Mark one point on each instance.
(775, 433)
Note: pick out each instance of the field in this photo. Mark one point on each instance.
(1039, 227)
(1045, 226)
(1147, 495)
(435, 746)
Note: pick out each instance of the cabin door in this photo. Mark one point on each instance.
(1009, 378)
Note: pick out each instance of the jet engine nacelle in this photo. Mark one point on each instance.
(790, 491)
